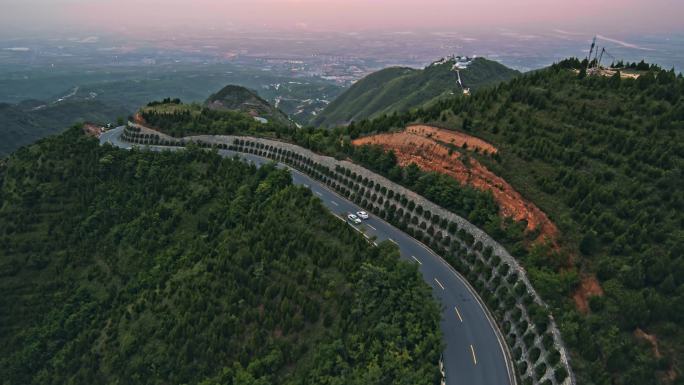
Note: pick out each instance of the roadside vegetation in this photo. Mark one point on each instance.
(531, 334)
(179, 120)
(602, 156)
(140, 267)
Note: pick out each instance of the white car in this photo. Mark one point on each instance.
(362, 214)
(353, 219)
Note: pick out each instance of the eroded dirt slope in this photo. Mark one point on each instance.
(589, 287)
(421, 145)
(452, 137)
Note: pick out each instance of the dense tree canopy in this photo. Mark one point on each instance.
(139, 268)
(180, 120)
(603, 157)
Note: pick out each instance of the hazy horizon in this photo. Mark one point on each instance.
(139, 18)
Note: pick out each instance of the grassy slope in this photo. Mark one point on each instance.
(400, 89)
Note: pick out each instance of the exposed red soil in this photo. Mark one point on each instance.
(589, 287)
(452, 137)
(651, 339)
(138, 119)
(430, 155)
(671, 374)
(91, 129)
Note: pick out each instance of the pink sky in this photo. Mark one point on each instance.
(587, 16)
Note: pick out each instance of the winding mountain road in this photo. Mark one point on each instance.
(474, 355)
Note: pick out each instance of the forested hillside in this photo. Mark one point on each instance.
(22, 123)
(400, 89)
(180, 120)
(603, 156)
(241, 99)
(140, 267)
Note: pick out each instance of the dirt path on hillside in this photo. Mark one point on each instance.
(430, 155)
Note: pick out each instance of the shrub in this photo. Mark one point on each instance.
(560, 374)
(535, 353)
(512, 278)
(503, 269)
(540, 370)
(553, 357)
(547, 341)
(516, 314)
(528, 338)
(517, 353)
(520, 289)
(527, 299)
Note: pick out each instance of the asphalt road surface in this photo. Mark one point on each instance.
(473, 354)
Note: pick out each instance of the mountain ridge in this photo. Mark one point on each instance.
(30, 120)
(398, 89)
(237, 98)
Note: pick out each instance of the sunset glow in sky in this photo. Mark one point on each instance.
(348, 15)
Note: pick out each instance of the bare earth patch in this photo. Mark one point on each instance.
(651, 339)
(91, 129)
(138, 119)
(452, 137)
(421, 145)
(589, 287)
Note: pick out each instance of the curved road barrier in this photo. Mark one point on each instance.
(476, 350)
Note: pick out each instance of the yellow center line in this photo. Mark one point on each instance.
(458, 313)
(472, 350)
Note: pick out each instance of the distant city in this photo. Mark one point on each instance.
(336, 57)
(299, 72)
